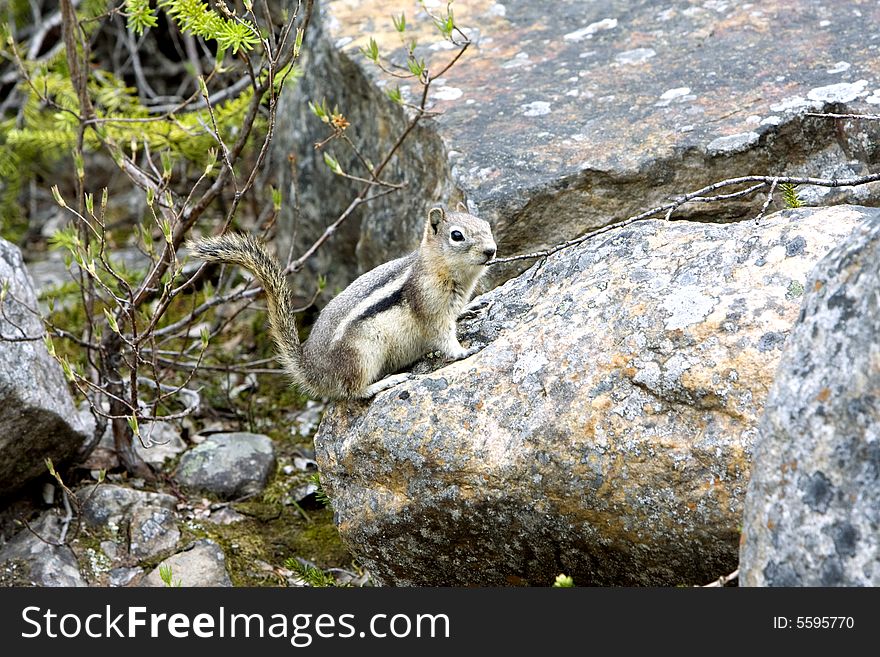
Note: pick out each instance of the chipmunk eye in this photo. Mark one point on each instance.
(456, 236)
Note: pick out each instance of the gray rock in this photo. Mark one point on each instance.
(812, 510)
(228, 465)
(112, 506)
(604, 430)
(153, 531)
(37, 415)
(548, 135)
(123, 576)
(202, 565)
(47, 565)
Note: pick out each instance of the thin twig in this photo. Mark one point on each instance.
(697, 196)
(723, 580)
(830, 115)
(767, 201)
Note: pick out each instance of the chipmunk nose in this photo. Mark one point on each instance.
(489, 253)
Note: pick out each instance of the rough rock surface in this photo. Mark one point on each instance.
(604, 430)
(45, 564)
(229, 465)
(202, 565)
(143, 522)
(37, 415)
(565, 116)
(812, 511)
(153, 531)
(111, 506)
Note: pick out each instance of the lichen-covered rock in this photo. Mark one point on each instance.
(37, 416)
(204, 564)
(153, 531)
(604, 430)
(111, 506)
(228, 465)
(41, 562)
(142, 524)
(812, 511)
(566, 116)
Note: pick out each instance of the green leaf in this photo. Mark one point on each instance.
(139, 16)
(331, 162)
(563, 582)
(416, 66)
(297, 46)
(394, 94)
(790, 195)
(371, 51)
(399, 23)
(111, 320)
(56, 194)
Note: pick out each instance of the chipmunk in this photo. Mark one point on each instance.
(385, 320)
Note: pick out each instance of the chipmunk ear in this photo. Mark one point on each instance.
(435, 216)
(461, 207)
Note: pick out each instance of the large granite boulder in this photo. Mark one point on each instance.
(37, 415)
(605, 429)
(812, 511)
(566, 116)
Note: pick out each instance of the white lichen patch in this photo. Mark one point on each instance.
(791, 103)
(448, 93)
(636, 56)
(874, 98)
(528, 363)
(591, 29)
(687, 305)
(732, 143)
(678, 94)
(497, 9)
(843, 92)
(519, 59)
(536, 108)
(838, 67)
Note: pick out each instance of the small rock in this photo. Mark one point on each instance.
(225, 516)
(50, 565)
(111, 505)
(202, 565)
(123, 576)
(229, 465)
(300, 493)
(153, 531)
(110, 549)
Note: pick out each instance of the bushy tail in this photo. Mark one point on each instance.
(250, 253)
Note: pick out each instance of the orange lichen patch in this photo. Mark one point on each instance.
(823, 395)
(601, 403)
(818, 285)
